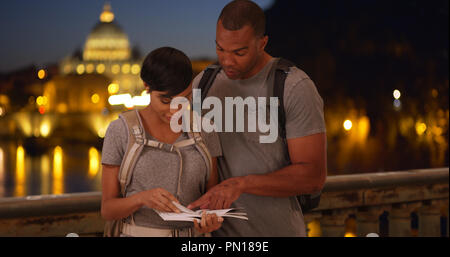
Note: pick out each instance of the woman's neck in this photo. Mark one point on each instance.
(156, 127)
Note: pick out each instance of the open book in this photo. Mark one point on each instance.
(189, 215)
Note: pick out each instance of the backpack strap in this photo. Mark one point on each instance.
(136, 139)
(209, 75)
(199, 142)
(281, 72)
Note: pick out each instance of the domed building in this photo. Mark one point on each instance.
(107, 52)
(92, 87)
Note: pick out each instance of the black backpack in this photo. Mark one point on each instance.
(307, 201)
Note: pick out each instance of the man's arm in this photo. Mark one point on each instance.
(305, 175)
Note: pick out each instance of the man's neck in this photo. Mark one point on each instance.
(260, 64)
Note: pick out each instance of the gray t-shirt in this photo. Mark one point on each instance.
(157, 168)
(243, 154)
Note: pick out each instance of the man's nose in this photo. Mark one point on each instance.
(227, 60)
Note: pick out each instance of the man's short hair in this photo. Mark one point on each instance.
(239, 13)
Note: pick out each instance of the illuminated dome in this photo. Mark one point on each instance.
(107, 41)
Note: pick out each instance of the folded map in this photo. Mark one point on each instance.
(189, 215)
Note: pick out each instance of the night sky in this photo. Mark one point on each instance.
(40, 32)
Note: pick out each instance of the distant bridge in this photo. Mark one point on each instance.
(77, 126)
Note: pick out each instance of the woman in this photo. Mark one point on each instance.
(158, 174)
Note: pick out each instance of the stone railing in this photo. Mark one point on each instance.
(363, 198)
(360, 199)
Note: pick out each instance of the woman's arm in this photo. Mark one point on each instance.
(115, 207)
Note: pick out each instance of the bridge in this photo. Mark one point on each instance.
(351, 205)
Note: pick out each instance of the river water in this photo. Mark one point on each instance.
(60, 169)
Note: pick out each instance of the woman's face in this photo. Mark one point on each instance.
(161, 104)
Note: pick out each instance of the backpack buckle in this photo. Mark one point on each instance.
(136, 130)
(197, 137)
(140, 140)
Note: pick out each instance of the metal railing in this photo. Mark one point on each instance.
(362, 198)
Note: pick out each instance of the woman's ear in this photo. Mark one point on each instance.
(147, 88)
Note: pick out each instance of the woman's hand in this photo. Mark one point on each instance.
(158, 199)
(208, 223)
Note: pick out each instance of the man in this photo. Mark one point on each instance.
(263, 178)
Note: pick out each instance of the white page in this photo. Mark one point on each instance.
(189, 215)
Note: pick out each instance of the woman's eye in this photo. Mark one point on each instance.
(165, 100)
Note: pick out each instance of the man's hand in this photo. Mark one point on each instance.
(220, 196)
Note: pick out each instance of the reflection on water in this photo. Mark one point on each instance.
(58, 177)
(20, 172)
(45, 174)
(94, 162)
(62, 169)
(2, 172)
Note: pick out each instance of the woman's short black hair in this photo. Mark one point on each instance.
(168, 70)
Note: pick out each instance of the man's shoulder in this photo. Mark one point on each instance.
(295, 75)
(197, 79)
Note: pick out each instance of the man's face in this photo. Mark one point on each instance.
(239, 51)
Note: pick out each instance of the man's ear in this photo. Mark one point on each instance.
(264, 41)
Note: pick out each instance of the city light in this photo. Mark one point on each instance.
(135, 69)
(128, 101)
(80, 69)
(90, 68)
(113, 88)
(41, 100)
(2, 111)
(119, 99)
(41, 74)
(101, 133)
(95, 98)
(107, 15)
(420, 128)
(45, 129)
(363, 128)
(141, 100)
(41, 109)
(348, 125)
(397, 94)
(314, 229)
(100, 68)
(115, 68)
(126, 68)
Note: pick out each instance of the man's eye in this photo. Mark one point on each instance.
(240, 54)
